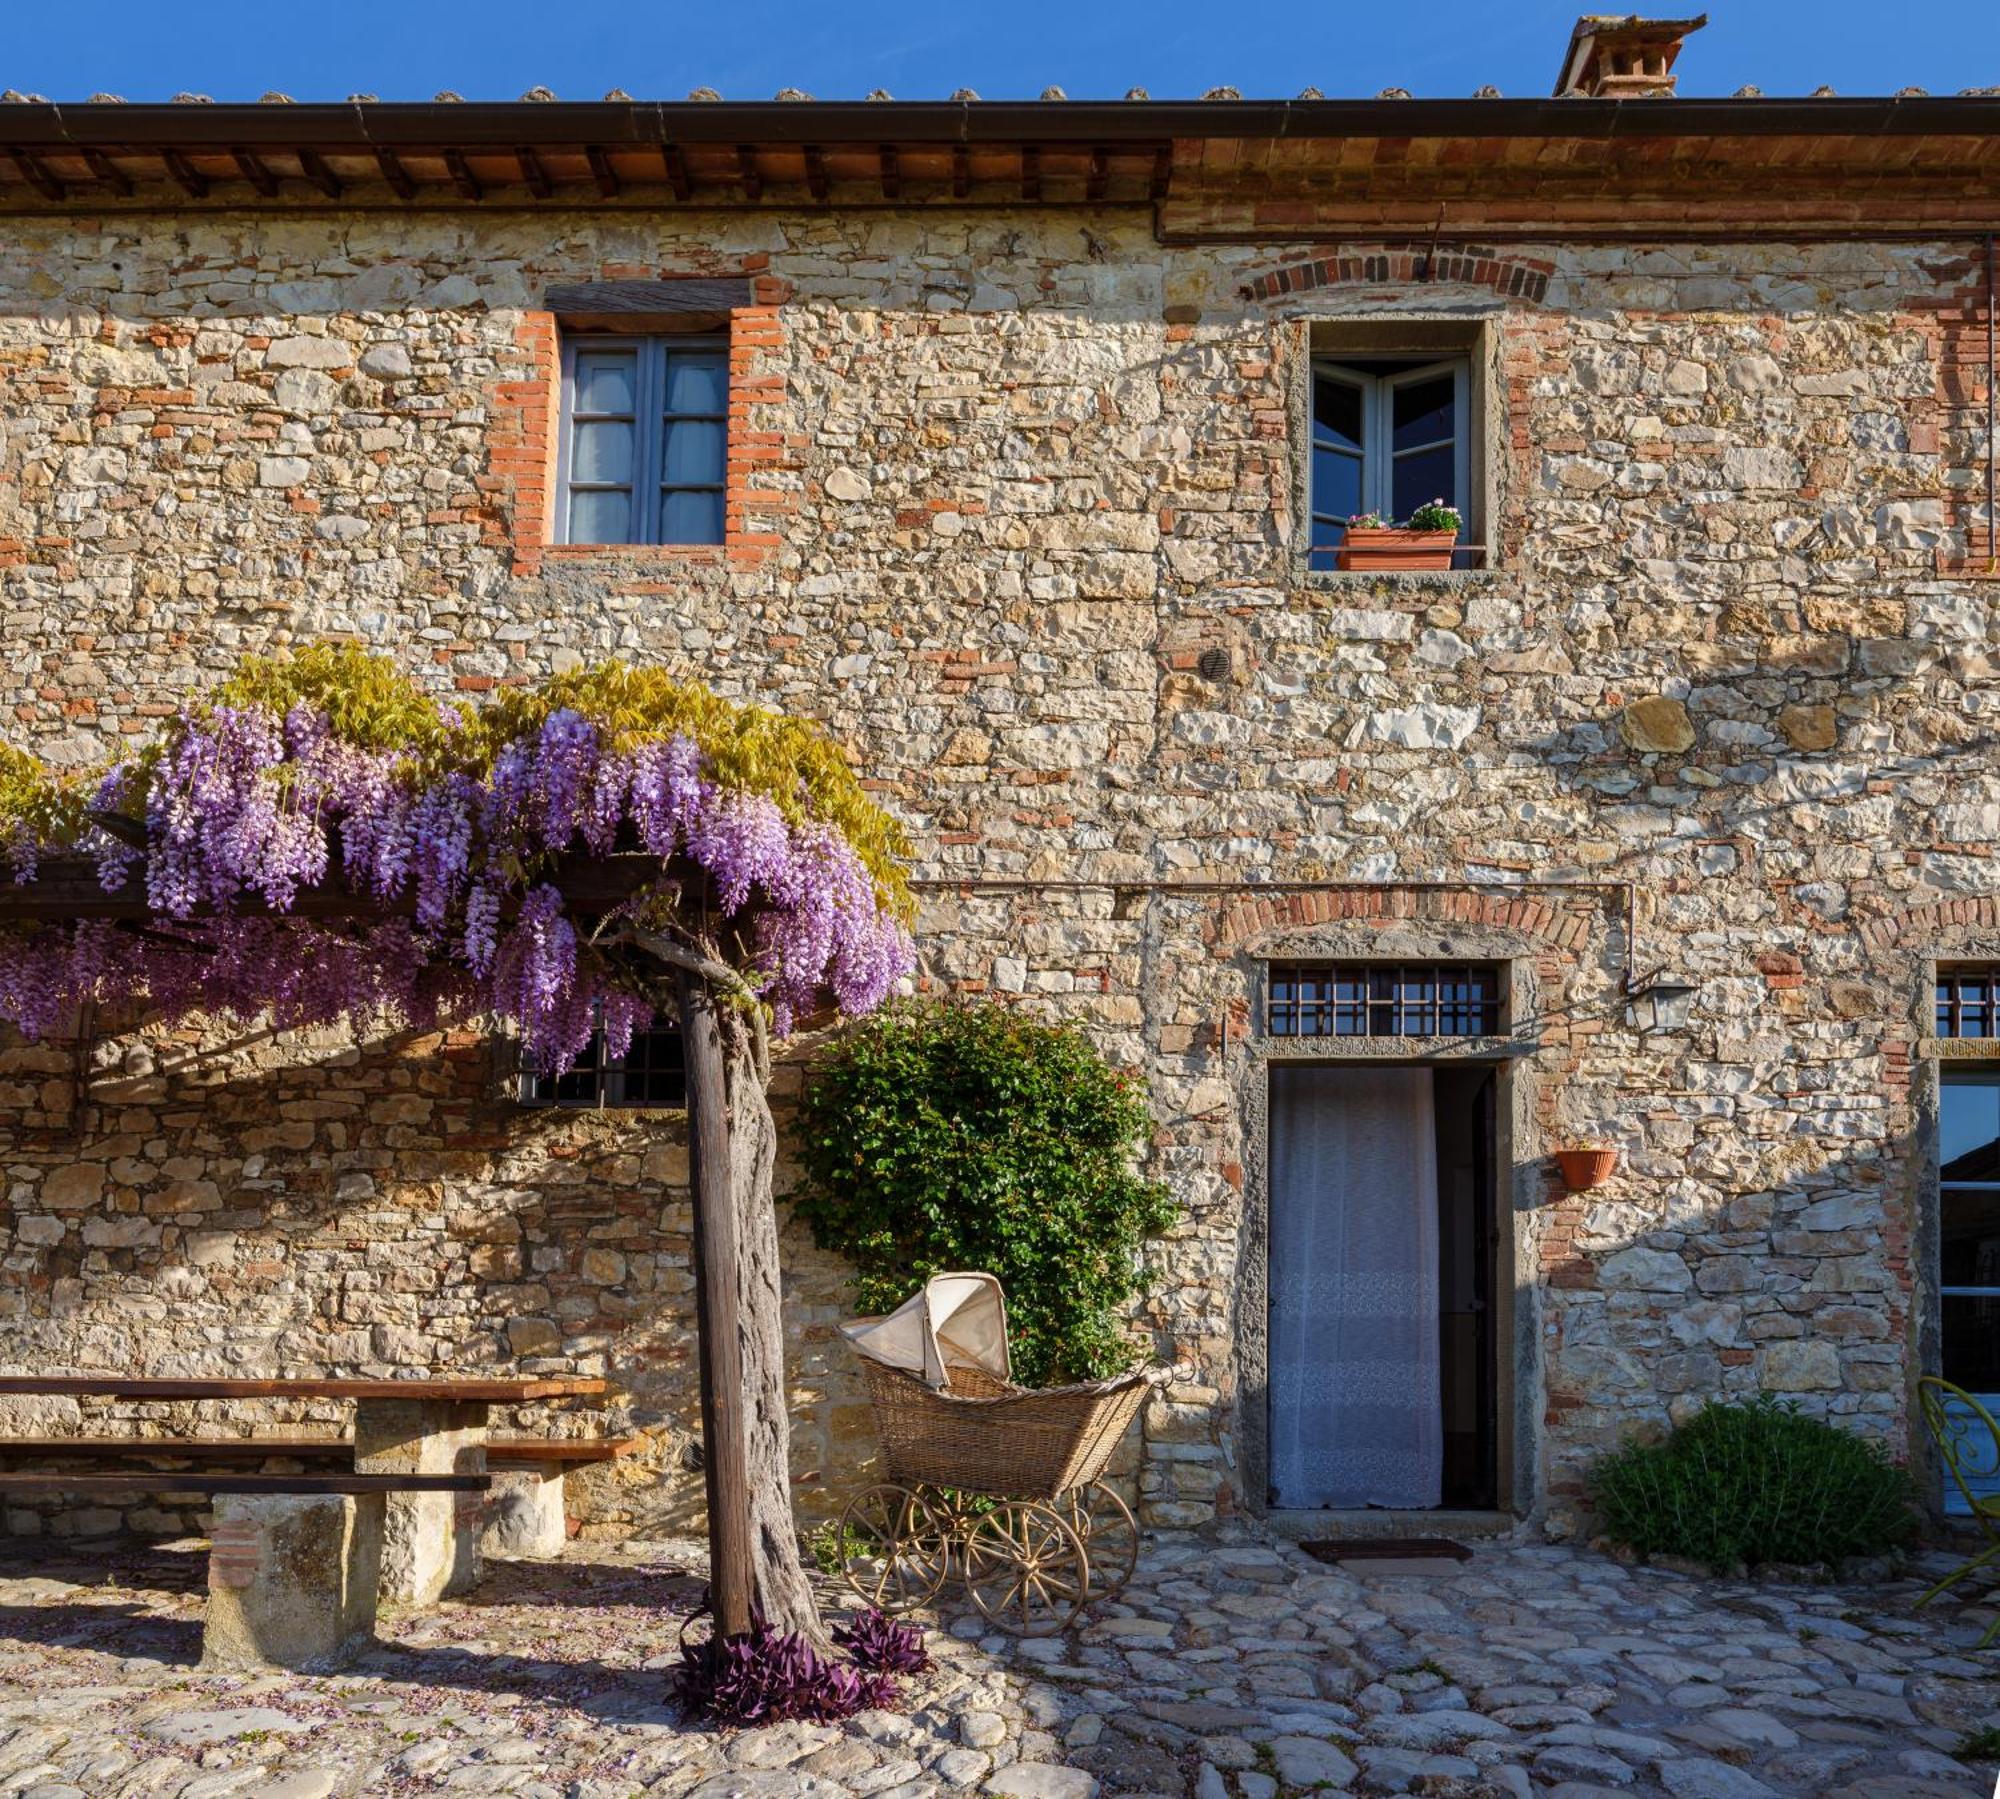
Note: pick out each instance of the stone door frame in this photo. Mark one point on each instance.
(1519, 1187)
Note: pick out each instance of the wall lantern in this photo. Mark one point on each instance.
(1660, 1005)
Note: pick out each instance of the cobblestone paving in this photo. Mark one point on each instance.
(1233, 1668)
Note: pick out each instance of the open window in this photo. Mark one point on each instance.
(1396, 416)
(1387, 438)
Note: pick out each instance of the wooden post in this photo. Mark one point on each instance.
(725, 1457)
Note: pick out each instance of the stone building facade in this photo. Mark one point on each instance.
(1018, 503)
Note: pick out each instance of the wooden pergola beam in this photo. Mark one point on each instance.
(67, 888)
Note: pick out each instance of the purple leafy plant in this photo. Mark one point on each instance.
(875, 1640)
(767, 1676)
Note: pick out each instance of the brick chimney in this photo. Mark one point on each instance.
(1615, 57)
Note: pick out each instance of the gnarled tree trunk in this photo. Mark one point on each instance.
(746, 1432)
(783, 1593)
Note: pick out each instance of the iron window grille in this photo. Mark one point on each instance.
(1382, 1000)
(651, 1074)
(1968, 1003)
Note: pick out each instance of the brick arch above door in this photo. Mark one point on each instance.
(1413, 264)
(1551, 921)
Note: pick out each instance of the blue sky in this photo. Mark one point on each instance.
(921, 49)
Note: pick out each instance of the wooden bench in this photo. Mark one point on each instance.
(511, 1452)
(526, 1513)
(156, 1480)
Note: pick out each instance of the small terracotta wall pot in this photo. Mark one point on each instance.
(1387, 547)
(1582, 1168)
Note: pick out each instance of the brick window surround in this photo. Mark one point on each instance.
(520, 482)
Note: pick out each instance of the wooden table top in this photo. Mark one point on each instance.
(470, 1388)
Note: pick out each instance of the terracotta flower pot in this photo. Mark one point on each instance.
(1582, 1168)
(1385, 547)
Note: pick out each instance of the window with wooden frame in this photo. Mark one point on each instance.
(643, 456)
(1381, 999)
(1388, 435)
(651, 1074)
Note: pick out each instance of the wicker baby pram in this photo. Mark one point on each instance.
(1003, 1484)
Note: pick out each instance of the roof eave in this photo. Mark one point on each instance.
(38, 125)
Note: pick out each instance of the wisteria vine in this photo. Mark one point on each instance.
(449, 822)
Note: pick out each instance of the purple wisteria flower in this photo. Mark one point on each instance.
(243, 811)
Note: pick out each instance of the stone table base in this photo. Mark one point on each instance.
(430, 1541)
(524, 1515)
(292, 1578)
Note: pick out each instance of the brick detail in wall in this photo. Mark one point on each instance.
(1556, 921)
(522, 445)
(1921, 924)
(1467, 265)
(1948, 426)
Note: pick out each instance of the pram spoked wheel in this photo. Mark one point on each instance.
(1025, 1568)
(1109, 1533)
(894, 1550)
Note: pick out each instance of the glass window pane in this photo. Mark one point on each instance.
(605, 381)
(1422, 476)
(1971, 1349)
(1422, 412)
(697, 381)
(691, 517)
(1336, 413)
(1969, 1129)
(696, 452)
(602, 517)
(1336, 485)
(603, 452)
(1969, 1254)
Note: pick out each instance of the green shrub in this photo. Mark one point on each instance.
(941, 1137)
(1754, 1483)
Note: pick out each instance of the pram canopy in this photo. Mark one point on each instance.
(956, 1321)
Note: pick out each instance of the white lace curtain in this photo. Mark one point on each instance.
(1356, 1414)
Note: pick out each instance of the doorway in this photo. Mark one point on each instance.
(1382, 1360)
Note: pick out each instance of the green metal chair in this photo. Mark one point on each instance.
(1968, 1444)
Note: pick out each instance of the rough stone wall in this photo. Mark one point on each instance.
(997, 482)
